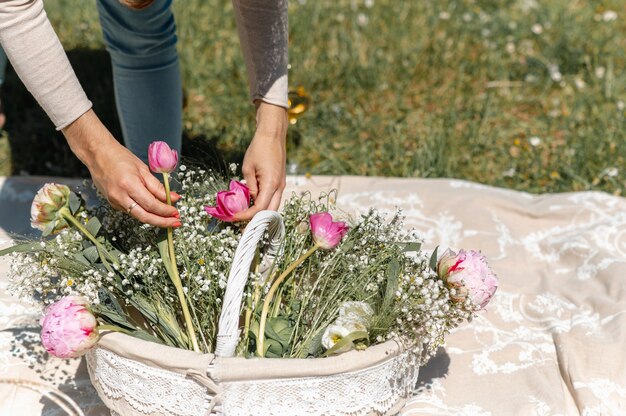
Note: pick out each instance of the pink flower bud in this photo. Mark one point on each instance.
(470, 276)
(68, 328)
(326, 232)
(161, 158)
(231, 202)
(44, 211)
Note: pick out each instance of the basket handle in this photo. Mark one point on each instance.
(228, 327)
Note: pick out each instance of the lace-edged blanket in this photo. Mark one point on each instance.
(551, 343)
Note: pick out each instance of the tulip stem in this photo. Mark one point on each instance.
(112, 328)
(102, 252)
(175, 276)
(270, 295)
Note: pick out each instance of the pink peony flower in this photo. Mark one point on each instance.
(161, 158)
(68, 328)
(230, 202)
(44, 211)
(468, 273)
(326, 232)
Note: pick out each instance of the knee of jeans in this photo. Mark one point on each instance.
(144, 38)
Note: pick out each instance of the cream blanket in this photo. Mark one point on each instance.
(552, 342)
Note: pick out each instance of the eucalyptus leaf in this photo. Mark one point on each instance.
(347, 246)
(93, 226)
(108, 299)
(433, 259)
(411, 247)
(75, 203)
(22, 248)
(91, 254)
(393, 275)
(81, 259)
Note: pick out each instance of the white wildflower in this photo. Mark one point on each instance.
(333, 334)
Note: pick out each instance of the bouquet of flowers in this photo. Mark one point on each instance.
(331, 287)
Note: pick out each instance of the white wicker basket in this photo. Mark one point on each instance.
(136, 377)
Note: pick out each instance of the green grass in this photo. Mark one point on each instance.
(432, 88)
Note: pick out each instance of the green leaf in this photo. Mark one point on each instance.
(162, 317)
(351, 337)
(393, 274)
(108, 299)
(48, 229)
(93, 226)
(273, 349)
(141, 334)
(81, 259)
(75, 203)
(254, 330)
(22, 248)
(165, 253)
(279, 329)
(91, 254)
(112, 316)
(314, 345)
(433, 259)
(346, 246)
(410, 247)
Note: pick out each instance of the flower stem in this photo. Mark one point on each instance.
(113, 328)
(67, 215)
(270, 295)
(175, 276)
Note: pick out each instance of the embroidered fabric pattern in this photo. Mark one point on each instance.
(356, 393)
(133, 388)
(130, 387)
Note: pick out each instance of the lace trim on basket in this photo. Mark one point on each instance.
(357, 393)
(147, 389)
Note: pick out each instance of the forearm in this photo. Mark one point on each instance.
(38, 57)
(88, 138)
(264, 38)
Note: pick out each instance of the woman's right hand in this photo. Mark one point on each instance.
(122, 177)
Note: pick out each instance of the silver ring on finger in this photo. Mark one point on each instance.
(130, 207)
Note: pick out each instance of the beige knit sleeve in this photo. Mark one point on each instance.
(37, 56)
(263, 34)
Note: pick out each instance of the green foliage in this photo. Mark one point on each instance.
(434, 88)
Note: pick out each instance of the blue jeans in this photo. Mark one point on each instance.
(3, 66)
(146, 73)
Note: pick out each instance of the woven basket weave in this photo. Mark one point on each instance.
(136, 377)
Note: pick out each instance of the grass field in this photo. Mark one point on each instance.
(526, 94)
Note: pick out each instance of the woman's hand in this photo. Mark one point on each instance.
(264, 162)
(123, 178)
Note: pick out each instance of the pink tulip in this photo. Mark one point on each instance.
(68, 328)
(44, 211)
(231, 202)
(161, 158)
(326, 232)
(469, 274)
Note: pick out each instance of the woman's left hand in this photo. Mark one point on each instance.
(264, 162)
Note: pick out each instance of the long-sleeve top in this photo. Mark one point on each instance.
(38, 57)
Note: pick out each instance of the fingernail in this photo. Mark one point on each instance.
(176, 195)
(177, 224)
(176, 215)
